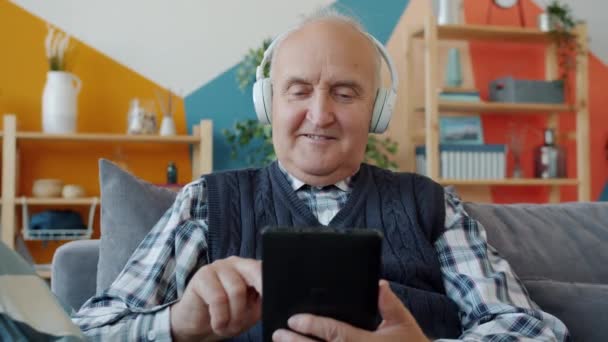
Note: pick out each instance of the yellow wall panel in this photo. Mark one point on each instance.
(102, 107)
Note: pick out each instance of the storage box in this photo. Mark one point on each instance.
(466, 162)
(508, 89)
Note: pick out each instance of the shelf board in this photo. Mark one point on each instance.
(44, 274)
(109, 137)
(57, 201)
(500, 107)
(43, 270)
(511, 182)
(420, 135)
(498, 34)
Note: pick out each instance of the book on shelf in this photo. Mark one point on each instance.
(464, 129)
(466, 162)
(472, 96)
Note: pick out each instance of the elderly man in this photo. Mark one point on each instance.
(195, 276)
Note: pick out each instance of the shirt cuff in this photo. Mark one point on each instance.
(154, 326)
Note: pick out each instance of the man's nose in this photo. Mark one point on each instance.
(321, 111)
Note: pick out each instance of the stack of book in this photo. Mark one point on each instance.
(467, 162)
(464, 129)
(464, 96)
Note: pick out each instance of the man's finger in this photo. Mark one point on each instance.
(212, 292)
(237, 292)
(251, 271)
(325, 328)
(284, 335)
(390, 307)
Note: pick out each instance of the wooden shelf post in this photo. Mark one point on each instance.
(9, 174)
(202, 152)
(431, 61)
(583, 161)
(551, 74)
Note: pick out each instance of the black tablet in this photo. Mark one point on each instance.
(320, 271)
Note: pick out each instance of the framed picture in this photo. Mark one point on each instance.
(460, 130)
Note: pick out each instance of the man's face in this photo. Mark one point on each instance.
(324, 87)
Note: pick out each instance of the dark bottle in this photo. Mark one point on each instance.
(549, 159)
(172, 173)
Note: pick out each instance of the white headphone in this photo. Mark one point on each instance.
(383, 104)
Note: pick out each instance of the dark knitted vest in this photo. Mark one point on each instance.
(408, 209)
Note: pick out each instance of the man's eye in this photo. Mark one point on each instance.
(344, 93)
(299, 91)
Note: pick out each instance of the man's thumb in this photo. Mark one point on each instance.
(393, 312)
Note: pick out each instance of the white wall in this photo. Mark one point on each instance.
(176, 44)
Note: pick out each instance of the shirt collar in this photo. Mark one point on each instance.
(344, 185)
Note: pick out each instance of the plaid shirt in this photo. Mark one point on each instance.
(493, 303)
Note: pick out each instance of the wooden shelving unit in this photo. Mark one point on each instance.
(487, 33)
(113, 138)
(500, 108)
(510, 182)
(431, 34)
(56, 201)
(200, 140)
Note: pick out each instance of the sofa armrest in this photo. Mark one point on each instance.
(74, 272)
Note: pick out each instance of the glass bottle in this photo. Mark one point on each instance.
(549, 158)
(171, 173)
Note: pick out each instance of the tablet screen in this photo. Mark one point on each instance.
(321, 271)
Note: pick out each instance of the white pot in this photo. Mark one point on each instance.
(59, 102)
(167, 126)
(449, 12)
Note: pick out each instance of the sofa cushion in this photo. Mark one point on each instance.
(129, 209)
(565, 242)
(74, 266)
(582, 307)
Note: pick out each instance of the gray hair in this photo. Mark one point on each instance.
(332, 14)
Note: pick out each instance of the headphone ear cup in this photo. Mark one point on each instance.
(383, 110)
(262, 100)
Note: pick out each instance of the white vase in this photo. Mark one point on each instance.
(449, 12)
(59, 102)
(167, 126)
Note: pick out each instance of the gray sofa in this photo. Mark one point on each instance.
(560, 252)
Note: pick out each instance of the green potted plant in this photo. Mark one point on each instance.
(253, 140)
(245, 74)
(561, 24)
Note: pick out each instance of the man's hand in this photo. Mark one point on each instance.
(397, 325)
(221, 300)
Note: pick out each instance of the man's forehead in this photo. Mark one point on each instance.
(332, 37)
(299, 57)
(310, 76)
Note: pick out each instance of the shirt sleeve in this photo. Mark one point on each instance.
(136, 306)
(494, 304)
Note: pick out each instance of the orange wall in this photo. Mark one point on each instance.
(103, 104)
(493, 60)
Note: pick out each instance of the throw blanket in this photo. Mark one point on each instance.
(28, 309)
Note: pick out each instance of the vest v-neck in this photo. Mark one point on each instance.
(298, 207)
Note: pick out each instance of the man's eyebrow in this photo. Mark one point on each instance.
(295, 80)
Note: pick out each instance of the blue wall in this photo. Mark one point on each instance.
(223, 102)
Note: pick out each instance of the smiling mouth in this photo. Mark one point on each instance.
(318, 137)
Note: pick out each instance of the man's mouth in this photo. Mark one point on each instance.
(318, 137)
